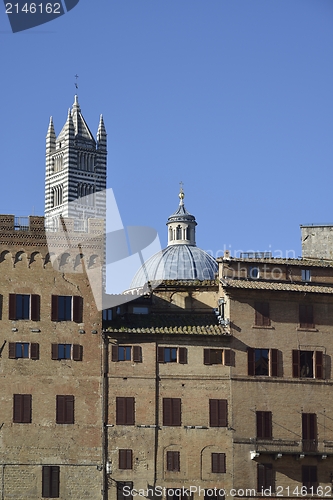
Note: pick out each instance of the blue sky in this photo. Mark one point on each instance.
(232, 97)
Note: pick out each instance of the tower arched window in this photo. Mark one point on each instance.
(170, 234)
(178, 233)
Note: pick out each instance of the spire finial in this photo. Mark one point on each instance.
(181, 194)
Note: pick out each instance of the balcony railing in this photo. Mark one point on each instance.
(281, 447)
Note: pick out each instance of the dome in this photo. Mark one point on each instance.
(177, 262)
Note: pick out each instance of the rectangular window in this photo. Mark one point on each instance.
(172, 411)
(22, 404)
(50, 481)
(127, 353)
(218, 413)
(24, 307)
(306, 316)
(107, 315)
(262, 362)
(123, 489)
(140, 310)
(264, 424)
(218, 463)
(66, 308)
(23, 350)
(309, 477)
(214, 494)
(172, 355)
(67, 351)
(306, 274)
(173, 461)
(309, 432)
(125, 411)
(262, 317)
(265, 479)
(65, 409)
(253, 272)
(308, 364)
(213, 356)
(125, 459)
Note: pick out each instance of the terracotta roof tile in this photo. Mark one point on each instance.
(272, 285)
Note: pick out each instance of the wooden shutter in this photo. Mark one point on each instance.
(160, 354)
(183, 355)
(46, 481)
(218, 463)
(69, 409)
(26, 414)
(54, 484)
(125, 459)
(22, 408)
(167, 411)
(34, 351)
(120, 411)
(262, 314)
(218, 412)
(130, 411)
(137, 354)
(265, 477)
(207, 357)
(17, 408)
(60, 410)
(129, 459)
(12, 350)
(296, 363)
(77, 352)
(274, 362)
(223, 412)
(54, 307)
(319, 371)
(228, 355)
(309, 426)
(35, 308)
(114, 353)
(213, 413)
(306, 316)
(264, 424)
(54, 351)
(173, 461)
(250, 361)
(12, 306)
(176, 411)
(77, 309)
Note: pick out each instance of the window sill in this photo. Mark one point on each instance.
(299, 329)
(263, 327)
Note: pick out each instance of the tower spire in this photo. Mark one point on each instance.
(181, 224)
(50, 137)
(101, 134)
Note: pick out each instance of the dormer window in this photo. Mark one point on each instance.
(253, 272)
(306, 274)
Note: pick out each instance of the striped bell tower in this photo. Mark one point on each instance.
(75, 180)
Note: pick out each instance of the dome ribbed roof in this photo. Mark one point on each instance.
(177, 262)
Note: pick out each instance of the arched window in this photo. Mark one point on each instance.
(170, 234)
(178, 233)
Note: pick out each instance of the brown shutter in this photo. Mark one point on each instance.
(268, 424)
(35, 308)
(60, 409)
(296, 363)
(17, 408)
(69, 409)
(223, 412)
(160, 354)
(213, 413)
(269, 477)
(34, 351)
(114, 353)
(12, 306)
(130, 411)
(319, 372)
(261, 477)
(26, 416)
(176, 411)
(55, 473)
(122, 459)
(176, 461)
(215, 462)
(137, 354)
(120, 411)
(258, 319)
(250, 361)
(169, 460)
(227, 357)
(54, 351)
(77, 309)
(46, 481)
(129, 459)
(274, 362)
(260, 424)
(183, 355)
(125, 459)
(12, 350)
(167, 411)
(54, 308)
(207, 357)
(77, 352)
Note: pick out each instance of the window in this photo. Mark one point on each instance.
(107, 315)
(125, 459)
(67, 351)
(24, 307)
(172, 411)
(66, 308)
(262, 314)
(262, 362)
(253, 272)
(172, 355)
(22, 408)
(308, 364)
(123, 490)
(127, 353)
(264, 424)
(65, 410)
(265, 477)
(309, 477)
(306, 316)
(214, 494)
(50, 481)
(306, 274)
(218, 463)
(125, 411)
(218, 413)
(140, 310)
(173, 461)
(309, 431)
(217, 356)
(23, 350)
